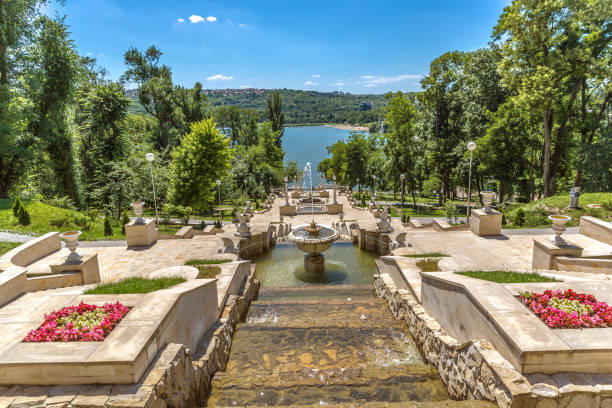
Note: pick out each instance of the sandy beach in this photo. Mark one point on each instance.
(349, 127)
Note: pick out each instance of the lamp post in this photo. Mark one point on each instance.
(358, 188)
(374, 189)
(150, 157)
(335, 202)
(471, 147)
(403, 178)
(219, 190)
(286, 190)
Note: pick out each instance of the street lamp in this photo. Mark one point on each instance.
(374, 189)
(403, 178)
(219, 190)
(150, 157)
(471, 147)
(358, 187)
(334, 177)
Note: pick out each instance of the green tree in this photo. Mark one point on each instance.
(274, 113)
(357, 151)
(108, 229)
(201, 158)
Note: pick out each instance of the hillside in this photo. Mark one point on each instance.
(300, 107)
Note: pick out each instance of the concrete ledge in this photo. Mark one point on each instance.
(334, 208)
(32, 251)
(486, 223)
(597, 229)
(441, 224)
(545, 253)
(140, 235)
(416, 223)
(180, 314)
(288, 210)
(589, 265)
(185, 232)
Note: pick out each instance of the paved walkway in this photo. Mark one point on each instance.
(11, 237)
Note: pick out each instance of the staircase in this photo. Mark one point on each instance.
(321, 345)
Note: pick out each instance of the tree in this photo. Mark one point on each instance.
(201, 158)
(191, 104)
(274, 113)
(357, 151)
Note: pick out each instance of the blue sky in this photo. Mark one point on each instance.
(354, 46)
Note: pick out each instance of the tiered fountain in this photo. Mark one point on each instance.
(313, 238)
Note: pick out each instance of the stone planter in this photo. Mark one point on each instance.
(487, 199)
(558, 227)
(137, 207)
(71, 238)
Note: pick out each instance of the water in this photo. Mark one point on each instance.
(310, 143)
(345, 264)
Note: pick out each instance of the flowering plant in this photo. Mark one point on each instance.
(79, 323)
(568, 309)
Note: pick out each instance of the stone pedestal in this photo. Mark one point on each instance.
(486, 223)
(88, 267)
(334, 208)
(139, 235)
(287, 210)
(314, 263)
(545, 251)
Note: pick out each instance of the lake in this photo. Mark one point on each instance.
(308, 143)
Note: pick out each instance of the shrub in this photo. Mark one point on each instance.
(451, 212)
(218, 224)
(607, 205)
(125, 219)
(363, 201)
(519, 217)
(428, 264)
(24, 216)
(16, 205)
(60, 222)
(178, 211)
(430, 186)
(108, 229)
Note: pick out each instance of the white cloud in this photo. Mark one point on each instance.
(242, 25)
(181, 20)
(338, 84)
(220, 77)
(89, 54)
(316, 76)
(310, 83)
(245, 86)
(196, 19)
(211, 19)
(372, 80)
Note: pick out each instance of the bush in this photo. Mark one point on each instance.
(108, 229)
(430, 186)
(363, 200)
(607, 205)
(60, 222)
(24, 216)
(178, 211)
(519, 217)
(125, 219)
(218, 224)
(451, 212)
(16, 205)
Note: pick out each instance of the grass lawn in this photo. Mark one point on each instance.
(417, 212)
(134, 285)
(427, 255)
(508, 276)
(536, 215)
(207, 267)
(7, 246)
(195, 262)
(47, 218)
(428, 264)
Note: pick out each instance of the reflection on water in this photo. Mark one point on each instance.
(345, 264)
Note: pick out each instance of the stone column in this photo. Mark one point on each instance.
(335, 202)
(286, 194)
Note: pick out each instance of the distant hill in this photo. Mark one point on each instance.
(300, 107)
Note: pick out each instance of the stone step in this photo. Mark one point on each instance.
(408, 404)
(316, 292)
(348, 312)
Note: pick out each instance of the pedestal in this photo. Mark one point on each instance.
(314, 263)
(486, 223)
(545, 251)
(88, 267)
(139, 235)
(335, 208)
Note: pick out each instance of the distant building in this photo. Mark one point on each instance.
(365, 106)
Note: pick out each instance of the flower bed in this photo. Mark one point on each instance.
(568, 309)
(79, 323)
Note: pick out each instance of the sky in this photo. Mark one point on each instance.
(323, 45)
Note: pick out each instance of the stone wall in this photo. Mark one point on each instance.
(178, 377)
(475, 370)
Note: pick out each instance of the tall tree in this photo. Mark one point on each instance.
(198, 161)
(191, 106)
(274, 113)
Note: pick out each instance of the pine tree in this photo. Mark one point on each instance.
(16, 205)
(125, 219)
(108, 229)
(24, 216)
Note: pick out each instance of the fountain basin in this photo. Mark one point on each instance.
(309, 200)
(313, 239)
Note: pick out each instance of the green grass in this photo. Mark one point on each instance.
(208, 271)
(44, 216)
(195, 262)
(427, 255)
(536, 215)
(134, 285)
(7, 246)
(508, 276)
(428, 265)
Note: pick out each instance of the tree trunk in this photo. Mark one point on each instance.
(547, 131)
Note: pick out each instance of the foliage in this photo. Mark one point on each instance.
(134, 285)
(200, 159)
(17, 204)
(428, 264)
(451, 212)
(84, 322)
(178, 211)
(23, 216)
(426, 255)
(519, 217)
(125, 219)
(274, 113)
(508, 276)
(6, 246)
(108, 229)
(208, 271)
(568, 309)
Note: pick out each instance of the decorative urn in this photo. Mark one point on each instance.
(71, 238)
(487, 199)
(559, 227)
(137, 207)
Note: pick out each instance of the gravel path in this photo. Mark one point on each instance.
(10, 237)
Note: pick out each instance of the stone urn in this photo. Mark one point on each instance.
(487, 199)
(243, 227)
(281, 218)
(559, 227)
(341, 215)
(383, 225)
(71, 238)
(137, 207)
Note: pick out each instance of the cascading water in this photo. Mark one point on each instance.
(308, 179)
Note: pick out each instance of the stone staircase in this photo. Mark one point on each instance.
(321, 345)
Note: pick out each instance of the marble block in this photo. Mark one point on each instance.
(545, 251)
(139, 235)
(486, 223)
(88, 267)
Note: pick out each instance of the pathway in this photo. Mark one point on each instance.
(326, 345)
(11, 237)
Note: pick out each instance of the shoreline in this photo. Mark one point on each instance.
(348, 127)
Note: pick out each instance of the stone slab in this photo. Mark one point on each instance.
(141, 235)
(545, 251)
(88, 268)
(486, 223)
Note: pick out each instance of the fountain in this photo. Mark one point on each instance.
(313, 238)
